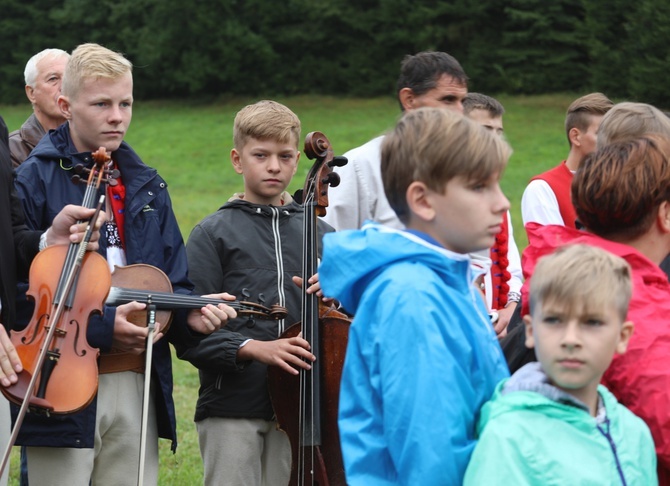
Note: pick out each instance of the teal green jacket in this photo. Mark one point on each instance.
(545, 438)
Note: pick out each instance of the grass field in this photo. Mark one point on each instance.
(189, 143)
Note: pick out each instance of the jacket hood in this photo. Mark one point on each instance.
(529, 389)
(352, 258)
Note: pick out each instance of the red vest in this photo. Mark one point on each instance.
(560, 179)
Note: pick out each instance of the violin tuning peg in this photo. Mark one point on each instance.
(261, 299)
(246, 294)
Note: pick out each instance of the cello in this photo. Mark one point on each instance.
(306, 404)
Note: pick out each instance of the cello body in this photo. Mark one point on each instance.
(323, 462)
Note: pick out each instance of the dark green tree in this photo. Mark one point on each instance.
(543, 48)
(607, 43)
(648, 53)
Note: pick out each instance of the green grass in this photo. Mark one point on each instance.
(189, 143)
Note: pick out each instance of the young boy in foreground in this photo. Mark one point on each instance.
(551, 422)
(422, 356)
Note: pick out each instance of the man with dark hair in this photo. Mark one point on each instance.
(426, 79)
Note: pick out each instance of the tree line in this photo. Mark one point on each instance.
(208, 48)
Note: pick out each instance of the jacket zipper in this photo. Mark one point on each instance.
(613, 447)
(280, 265)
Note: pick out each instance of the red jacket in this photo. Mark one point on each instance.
(640, 378)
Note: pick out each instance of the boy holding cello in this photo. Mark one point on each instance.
(253, 241)
(101, 444)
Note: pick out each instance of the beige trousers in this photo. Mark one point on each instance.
(114, 460)
(244, 452)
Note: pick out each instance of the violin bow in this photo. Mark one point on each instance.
(151, 326)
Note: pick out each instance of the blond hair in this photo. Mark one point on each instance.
(581, 112)
(434, 145)
(266, 120)
(92, 61)
(631, 120)
(582, 275)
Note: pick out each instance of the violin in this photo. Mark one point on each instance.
(306, 405)
(68, 286)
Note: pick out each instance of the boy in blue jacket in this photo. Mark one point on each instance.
(422, 356)
(551, 422)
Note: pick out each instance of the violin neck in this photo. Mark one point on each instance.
(162, 300)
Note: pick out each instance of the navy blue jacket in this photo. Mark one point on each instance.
(152, 236)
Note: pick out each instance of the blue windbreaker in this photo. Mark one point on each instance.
(422, 356)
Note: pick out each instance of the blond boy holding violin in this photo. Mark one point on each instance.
(101, 443)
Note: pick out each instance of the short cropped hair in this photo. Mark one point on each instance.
(421, 72)
(618, 188)
(631, 120)
(434, 145)
(92, 61)
(30, 72)
(479, 101)
(582, 275)
(266, 120)
(581, 111)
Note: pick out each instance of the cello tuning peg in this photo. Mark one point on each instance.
(246, 294)
(251, 322)
(333, 179)
(261, 299)
(298, 196)
(77, 179)
(338, 161)
(80, 169)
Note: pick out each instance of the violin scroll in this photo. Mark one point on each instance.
(103, 166)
